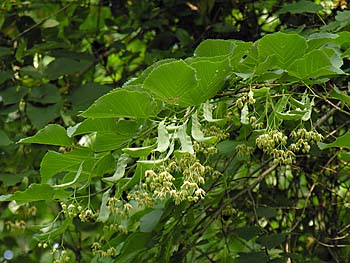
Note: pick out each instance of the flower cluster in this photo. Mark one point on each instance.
(160, 185)
(244, 150)
(304, 138)
(246, 98)
(71, 210)
(87, 216)
(97, 250)
(18, 225)
(119, 207)
(213, 130)
(116, 227)
(275, 143)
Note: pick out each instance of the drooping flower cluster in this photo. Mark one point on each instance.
(275, 143)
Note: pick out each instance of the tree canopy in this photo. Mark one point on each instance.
(174, 131)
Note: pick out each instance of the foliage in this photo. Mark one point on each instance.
(236, 153)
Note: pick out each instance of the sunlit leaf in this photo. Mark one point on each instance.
(286, 48)
(123, 103)
(175, 83)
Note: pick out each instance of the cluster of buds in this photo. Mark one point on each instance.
(304, 138)
(141, 196)
(60, 255)
(246, 98)
(193, 176)
(116, 227)
(160, 184)
(18, 225)
(204, 148)
(275, 143)
(87, 216)
(269, 141)
(217, 132)
(119, 207)
(97, 250)
(244, 150)
(71, 210)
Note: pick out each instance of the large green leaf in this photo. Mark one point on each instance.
(54, 162)
(211, 76)
(52, 134)
(315, 64)
(286, 48)
(123, 103)
(36, 192)
(175, 83)
(214, 47)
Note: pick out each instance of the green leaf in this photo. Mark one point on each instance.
(12, 95)
(52, 134)
(106, 141)
(286, 47)
(45, 94)
(5, 51)
(339, 95)
(4, 139)
(37, 192)
(342, 142)
(267, 212)
(104, 213)
(175, 83)
(54, 162)
(150, 220)
(139, 151)
(147, 71)
(63, 66)
(40, 116)
(256, 257)
(313, 65)
(54, 232)
(92, 125)
(65, 185)
(300, 7)
(5, 75)
(91, 91)
(271, 241)
(120, 171)
(214, 47)
(211, 76)
(123, 103)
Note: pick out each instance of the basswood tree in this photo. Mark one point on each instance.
(238, 153)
